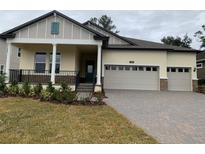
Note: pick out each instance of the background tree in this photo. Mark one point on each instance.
(177, 41)
(201, 36)
(105, 22)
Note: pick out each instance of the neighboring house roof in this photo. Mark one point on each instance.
(200, 56)
(9, 33)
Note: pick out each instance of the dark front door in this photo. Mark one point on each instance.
(89, 71)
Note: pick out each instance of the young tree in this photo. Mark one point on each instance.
(201, 36)
(105, 22)
(178, 41)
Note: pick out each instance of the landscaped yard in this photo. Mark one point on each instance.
(30, 121)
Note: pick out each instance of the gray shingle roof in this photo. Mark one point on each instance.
(154, 45)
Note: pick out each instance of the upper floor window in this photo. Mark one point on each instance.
(55, 27)
(40, 62)
(199, 65)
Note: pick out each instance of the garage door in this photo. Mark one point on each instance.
(179, 79)
(131, 77)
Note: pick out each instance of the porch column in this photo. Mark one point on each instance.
(8, 59)
(99, 66)
(53, 64)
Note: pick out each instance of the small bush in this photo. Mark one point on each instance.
(37, 90)
(45, 95)
(13, 89)
(99, 97)
(25, 89)
(3, 88)
(50, 87)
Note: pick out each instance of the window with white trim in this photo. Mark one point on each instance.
(199, 65)
(58, 59)
(40, 62)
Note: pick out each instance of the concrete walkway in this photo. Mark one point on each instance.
(170, 117)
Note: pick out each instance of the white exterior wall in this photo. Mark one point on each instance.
(162, 59)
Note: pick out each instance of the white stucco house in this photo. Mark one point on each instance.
(56, 48)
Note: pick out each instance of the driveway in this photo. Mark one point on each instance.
(170, 117)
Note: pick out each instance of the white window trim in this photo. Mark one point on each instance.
(40, 62)
(199, 66)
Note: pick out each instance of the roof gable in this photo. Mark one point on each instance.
(113, 37)
(10, 33)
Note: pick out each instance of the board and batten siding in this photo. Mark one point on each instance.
(42, 30)
(112, 39)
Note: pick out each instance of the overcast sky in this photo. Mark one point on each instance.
(148, 25)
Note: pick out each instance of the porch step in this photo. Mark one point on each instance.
(85, 87)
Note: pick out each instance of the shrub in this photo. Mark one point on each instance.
(37, 90)
(45, 95)
(25, 89)
(13, 89)
(3, 88)
(99, 98)
(57, 96)
(50, 87)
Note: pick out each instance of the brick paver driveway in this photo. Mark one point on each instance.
(170, 117)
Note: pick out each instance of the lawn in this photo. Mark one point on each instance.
(30, 121)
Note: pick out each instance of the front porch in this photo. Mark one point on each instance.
(57, 63)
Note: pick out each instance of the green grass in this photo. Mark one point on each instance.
(30, 121)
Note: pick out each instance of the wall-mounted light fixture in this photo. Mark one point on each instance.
(131, 62)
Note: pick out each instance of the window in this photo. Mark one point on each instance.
(107, 67)
(148, 68)
(113, 67)
(57, 63)
(199, 65)
(127, 68)
(55, 27)
(173, 69)
(141, 68)
(2, 69)
(19, 52)
(134, 68)
(186, 70)
(168, 69)
(120, 68)
(180, 69)
(40, 62)
(154, 69)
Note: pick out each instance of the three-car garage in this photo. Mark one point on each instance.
(139, 77)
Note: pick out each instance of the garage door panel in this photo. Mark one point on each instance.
(131, 79)
(179, 81)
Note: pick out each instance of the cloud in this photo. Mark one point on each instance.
(148, 25)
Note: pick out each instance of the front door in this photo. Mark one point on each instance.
(89, 71)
